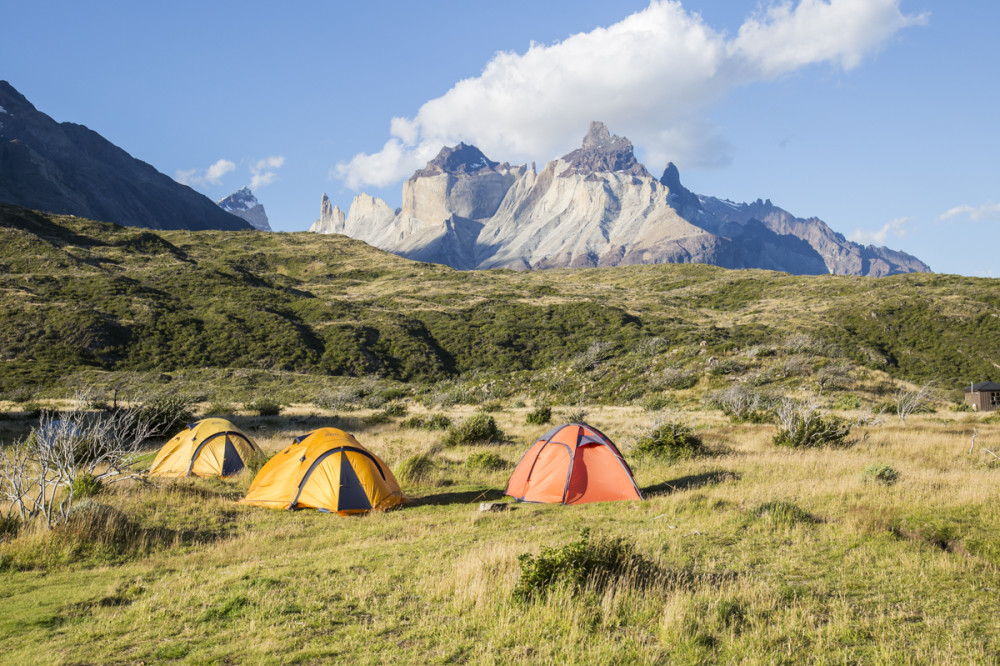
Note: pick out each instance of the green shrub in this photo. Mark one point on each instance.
(668, 439)
(437, 422)
(479, 428)
(962, 407)
(395, 409)
(847, 401)
(575, 416)
(728, 367)
(86, 485)
(540, 415)
(879, 473)
(656, 403)
(814, 431)
(387, 414)
(430, 422)
(220, 408)
(164, 412)
(581, 564)
(678, 379)
(486, 461)
(416, 469)
(262, 406)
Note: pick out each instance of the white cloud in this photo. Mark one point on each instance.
(212, 175)
(264, 171)
(896, 227)
(987, 211)
(650, 77)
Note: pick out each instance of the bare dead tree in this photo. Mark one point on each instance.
(910, 402)
(37, 473)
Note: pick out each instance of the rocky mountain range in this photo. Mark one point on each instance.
(596, 206)
(69, 169)
(244, 204)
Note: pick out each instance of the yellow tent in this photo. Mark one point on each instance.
(211, 447)
(328, 470)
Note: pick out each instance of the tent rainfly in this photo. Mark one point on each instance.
(328, 470)
(573, 464)
(211, 447)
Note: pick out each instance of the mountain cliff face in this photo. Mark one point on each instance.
(596, 206)
(244, 204)
(68, 169)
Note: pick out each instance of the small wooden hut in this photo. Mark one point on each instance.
(984, 396)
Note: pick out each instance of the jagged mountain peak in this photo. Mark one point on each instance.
(463, 159)
(596, 206)
(603, 152)
(244, 204)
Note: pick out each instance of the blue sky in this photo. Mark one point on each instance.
(878, 116)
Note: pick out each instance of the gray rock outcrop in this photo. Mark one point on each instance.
(595, 206)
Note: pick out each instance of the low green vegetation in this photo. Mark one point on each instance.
(668, 439)
(785, 520)
(480, 428)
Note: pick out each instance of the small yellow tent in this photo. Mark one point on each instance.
(211, 447)
(328, 470)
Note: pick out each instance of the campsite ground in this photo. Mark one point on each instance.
(765, 555)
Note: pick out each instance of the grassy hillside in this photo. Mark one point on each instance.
(881, 548)
(82, 298)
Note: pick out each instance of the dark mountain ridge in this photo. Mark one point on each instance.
(69, 169)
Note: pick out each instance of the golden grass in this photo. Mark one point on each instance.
(867, 582)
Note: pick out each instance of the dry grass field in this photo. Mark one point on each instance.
(762, 555)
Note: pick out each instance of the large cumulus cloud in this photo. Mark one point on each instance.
(650, 77)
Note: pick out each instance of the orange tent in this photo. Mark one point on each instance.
(573, 464)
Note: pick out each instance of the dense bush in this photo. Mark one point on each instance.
(416, 469)
(582, 564)
(802, 426)
(164, 412)
(479, 428)
(429, 422)
(262, 406)
(86, 485)
(486, 461)
(678, 379)
(655, 403)
(668, 439)
(880, 473)
(540, 415)
(847, 401)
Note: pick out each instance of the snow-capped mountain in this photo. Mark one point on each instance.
(243, 203)
(596, 206)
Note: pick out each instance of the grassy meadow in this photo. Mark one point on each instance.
(762, 555)
(879, 546)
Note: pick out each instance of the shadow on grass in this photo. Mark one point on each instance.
(690, 482)
(461, 497)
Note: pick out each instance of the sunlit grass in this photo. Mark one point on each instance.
(900, 573)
